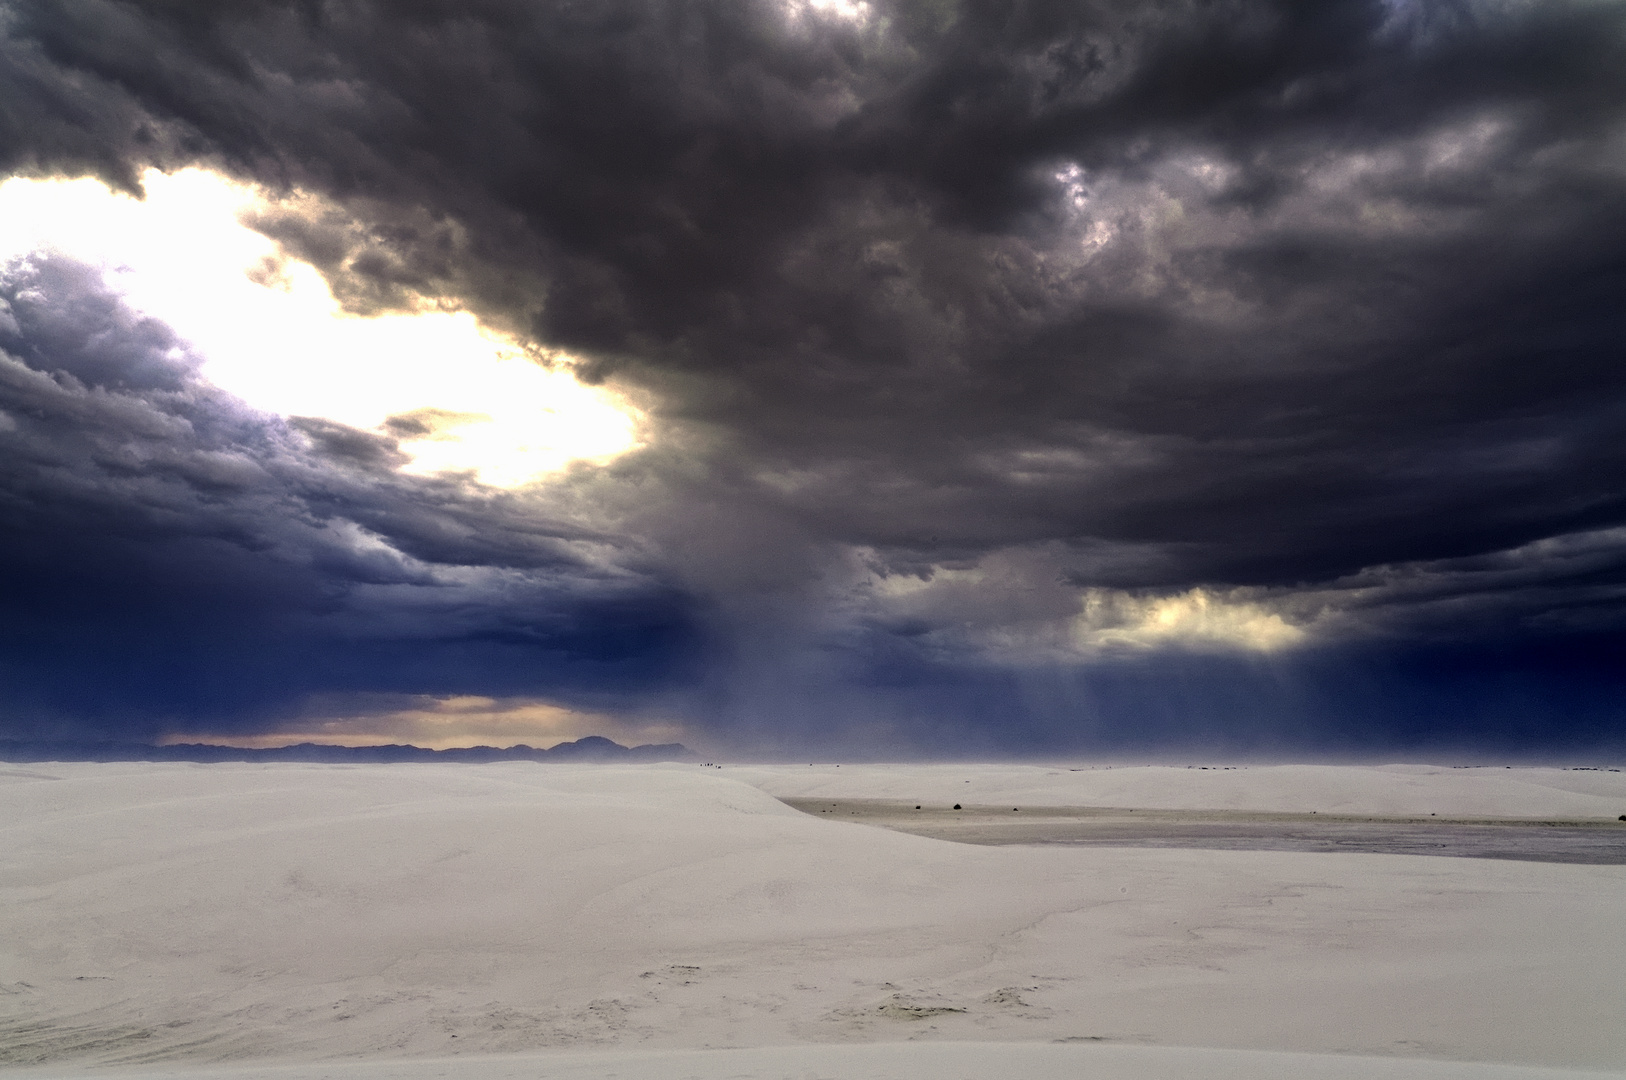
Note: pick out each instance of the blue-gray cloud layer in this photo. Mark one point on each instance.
(1314, 307)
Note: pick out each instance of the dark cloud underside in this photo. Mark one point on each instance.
(1316, 306)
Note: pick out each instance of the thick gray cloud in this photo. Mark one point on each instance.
(954, 320)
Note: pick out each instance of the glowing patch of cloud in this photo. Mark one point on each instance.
(857, 11)
(1199, 619)
(270, 331)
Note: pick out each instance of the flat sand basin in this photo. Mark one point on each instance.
(1595, 840)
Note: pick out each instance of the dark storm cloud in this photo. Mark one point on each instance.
(1321, 302)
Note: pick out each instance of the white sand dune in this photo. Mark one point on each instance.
(412, 921)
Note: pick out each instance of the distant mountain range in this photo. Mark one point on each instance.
(592, 748)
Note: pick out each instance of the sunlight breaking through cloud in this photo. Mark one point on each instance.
(1199, 619)
(460, 396)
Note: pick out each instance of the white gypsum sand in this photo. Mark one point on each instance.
(607, 920)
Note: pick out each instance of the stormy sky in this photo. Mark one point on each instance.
(887, 378)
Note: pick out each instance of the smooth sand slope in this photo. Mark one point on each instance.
(615, 920)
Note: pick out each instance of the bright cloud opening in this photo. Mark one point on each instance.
(271, 332)
(1195, 619)
(855, 11)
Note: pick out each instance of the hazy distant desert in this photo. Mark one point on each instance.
(536, 920)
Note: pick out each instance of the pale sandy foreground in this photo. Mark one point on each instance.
(523, 920)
